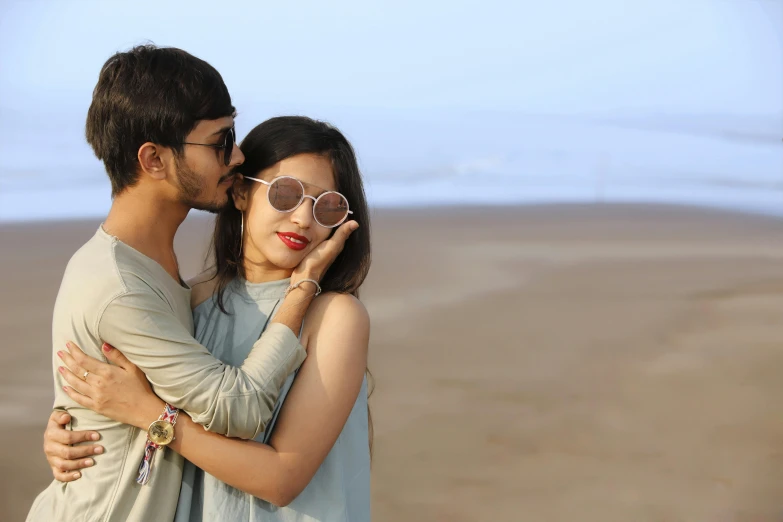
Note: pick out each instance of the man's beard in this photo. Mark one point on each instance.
(191, 188)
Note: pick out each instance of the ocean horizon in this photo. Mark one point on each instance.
(422, 158)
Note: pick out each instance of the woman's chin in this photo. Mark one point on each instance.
(288, 260)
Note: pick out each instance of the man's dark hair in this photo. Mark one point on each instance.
(150, 94)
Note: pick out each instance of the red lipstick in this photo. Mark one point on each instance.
(293, 241)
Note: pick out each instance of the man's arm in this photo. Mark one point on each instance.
(237, 402)
(234, 401)
(313, 415)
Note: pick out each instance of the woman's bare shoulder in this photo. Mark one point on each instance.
(202, 286)
(336, 305)
(333, 312)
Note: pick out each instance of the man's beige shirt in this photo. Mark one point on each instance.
(113, 293)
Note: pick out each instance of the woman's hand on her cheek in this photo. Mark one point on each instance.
(317, 262)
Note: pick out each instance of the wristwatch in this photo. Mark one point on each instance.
(161, 432)
(159, 435)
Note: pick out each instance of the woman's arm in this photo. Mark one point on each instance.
(311, 419)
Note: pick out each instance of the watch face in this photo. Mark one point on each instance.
(161, 432)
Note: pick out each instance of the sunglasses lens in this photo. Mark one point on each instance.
(285, 194)
(228, 147)
(331, 209)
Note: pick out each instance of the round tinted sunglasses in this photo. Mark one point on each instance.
(285, 194)
(227, 146)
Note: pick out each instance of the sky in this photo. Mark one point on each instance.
(441, 92)
(570, 57)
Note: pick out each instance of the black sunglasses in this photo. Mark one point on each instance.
(227, 146)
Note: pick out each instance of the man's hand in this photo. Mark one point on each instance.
(65, 459)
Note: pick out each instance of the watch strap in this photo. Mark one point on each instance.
(170, 413)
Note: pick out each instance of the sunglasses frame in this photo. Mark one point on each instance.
(227, 150)
(304, 195)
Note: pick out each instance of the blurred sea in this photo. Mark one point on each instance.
(430, 157)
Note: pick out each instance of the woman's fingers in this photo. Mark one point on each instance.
(86, 362)
(71, 363)
(117, 358)
(336, 243)
(77, 383)
(78, 398)
(342, 234)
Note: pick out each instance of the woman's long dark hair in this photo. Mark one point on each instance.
(269, 143)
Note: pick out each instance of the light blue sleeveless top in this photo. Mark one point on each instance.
(340, 489)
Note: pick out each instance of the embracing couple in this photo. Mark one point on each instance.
(239, 395)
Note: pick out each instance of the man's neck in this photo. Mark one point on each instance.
(147, 224)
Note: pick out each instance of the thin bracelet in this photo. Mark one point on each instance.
(292, 287)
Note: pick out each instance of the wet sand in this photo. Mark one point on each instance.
(592, 363)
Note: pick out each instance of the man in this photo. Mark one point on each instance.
(162, 122)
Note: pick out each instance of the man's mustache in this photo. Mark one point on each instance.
(231, 174)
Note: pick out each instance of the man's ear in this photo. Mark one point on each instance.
(241, 193)
(152, 161)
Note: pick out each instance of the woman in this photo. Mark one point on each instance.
(300, 180)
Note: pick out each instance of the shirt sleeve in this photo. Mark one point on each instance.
(233, 401)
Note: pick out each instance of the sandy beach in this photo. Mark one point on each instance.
(542, 363)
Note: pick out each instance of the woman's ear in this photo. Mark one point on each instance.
(241, 193)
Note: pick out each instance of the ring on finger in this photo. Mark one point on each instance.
(84, 377)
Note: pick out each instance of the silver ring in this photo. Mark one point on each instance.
(84, 377)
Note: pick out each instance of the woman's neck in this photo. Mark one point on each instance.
(263, 272)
